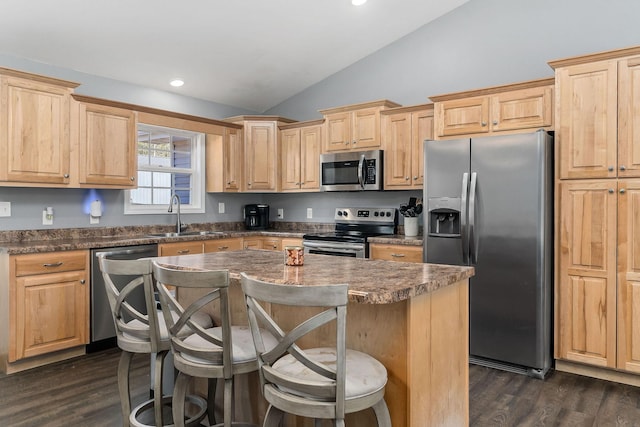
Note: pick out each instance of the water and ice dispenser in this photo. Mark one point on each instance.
(444, 216)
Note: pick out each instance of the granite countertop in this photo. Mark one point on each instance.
(370, 281)
(26, 242)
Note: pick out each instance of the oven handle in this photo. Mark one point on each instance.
(336, 248)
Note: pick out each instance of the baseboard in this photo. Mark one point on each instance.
(599, 373)
(46, 359)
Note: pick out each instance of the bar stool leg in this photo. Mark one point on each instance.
(157, 387)
(211, 400)
(123, 386)
(273, 417)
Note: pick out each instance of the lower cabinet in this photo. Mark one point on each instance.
(49, 296)
(181, 248)
(403, 253)
(270, 243)
(222, 245)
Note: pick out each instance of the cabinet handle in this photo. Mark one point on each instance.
(611, 191)
(622, 191)
(495, 122)
(354, 142)
(484, 124)
(415, 178)
(53, 264)
(623, 168)
(66, 175)
(397, 255)
(406, 178)
(249, 184)
(133, 178)
(222, 248)
(228, 182)
(346, 143)
(184, 251)
(610, 168)
(82, 281)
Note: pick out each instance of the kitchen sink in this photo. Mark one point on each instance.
(185, 233)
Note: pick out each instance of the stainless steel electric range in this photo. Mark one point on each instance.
(353, 228)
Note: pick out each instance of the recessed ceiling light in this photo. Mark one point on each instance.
(358, 2)
(176, 82)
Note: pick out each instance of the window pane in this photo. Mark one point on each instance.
(140, 196)
(161, 196)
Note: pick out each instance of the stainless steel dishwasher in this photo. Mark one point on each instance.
(103, 333)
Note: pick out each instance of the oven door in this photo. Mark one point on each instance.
(354, 250)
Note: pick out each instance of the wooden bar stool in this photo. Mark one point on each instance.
(319, 383)
(213, 353)
(140, 330)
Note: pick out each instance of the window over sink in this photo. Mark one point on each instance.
(170, 161)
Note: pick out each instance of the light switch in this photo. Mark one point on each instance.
(221, 207)
(5, 208)
(309, 213)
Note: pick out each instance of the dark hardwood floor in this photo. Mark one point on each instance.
(83, 392)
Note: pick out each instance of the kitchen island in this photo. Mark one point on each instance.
(412, 317)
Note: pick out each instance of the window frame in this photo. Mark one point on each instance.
(197, 203)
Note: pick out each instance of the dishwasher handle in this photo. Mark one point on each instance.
(123, 252)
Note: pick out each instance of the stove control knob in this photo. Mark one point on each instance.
(339, 213)
(376, 213)
(345, 213)
(388, 213)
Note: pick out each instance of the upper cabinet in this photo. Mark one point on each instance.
(107, 143)
(354, 127)
(300, 156)
(404, 130)
(501, 109)
(225, 159)
(261, 152)
(597, 130)
(34, 129)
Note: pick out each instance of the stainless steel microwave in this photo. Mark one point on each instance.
(351, 171)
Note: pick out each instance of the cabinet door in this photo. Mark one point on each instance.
(180, 248)
(338, 132)
(586, 120)
(51, 313)
(629, 275)
(223, 245)
(261, 156)
(290, 165)
(107, 146)
(629, 118)
(34, 132)
(233, 159)
(366, 129)
(252, 243)
(586, 283)
(272, 243)
(421, 130)
(310, 140)
(397, 145)
(462, 116)
(522, 109)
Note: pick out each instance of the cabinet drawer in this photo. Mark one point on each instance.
(396, 253)
(221, 245)
(181, 248)
(50, 262)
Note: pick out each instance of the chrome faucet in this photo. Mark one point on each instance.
(177, 199)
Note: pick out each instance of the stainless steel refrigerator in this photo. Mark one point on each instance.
(489, 204)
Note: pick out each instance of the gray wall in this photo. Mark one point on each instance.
(482, 43)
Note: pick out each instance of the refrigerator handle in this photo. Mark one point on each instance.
(464, 236)
(473, 249)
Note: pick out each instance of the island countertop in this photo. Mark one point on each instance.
(370, 281)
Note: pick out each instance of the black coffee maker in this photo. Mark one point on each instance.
(256, 217)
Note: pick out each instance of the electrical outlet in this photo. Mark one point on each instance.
(221, 207)
(309, 213)
(47, 217)
(94, 219)
(280, 213)
(5, 208)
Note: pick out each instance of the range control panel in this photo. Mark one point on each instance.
(360, 215)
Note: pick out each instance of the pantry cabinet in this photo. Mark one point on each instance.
(34, 129)
(504, 109)
(300, 162)
(598, 210)
(354, 127)
(107, 135)
(261, 152)
(404, 130)
(49, 303)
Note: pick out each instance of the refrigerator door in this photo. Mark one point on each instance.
(445, 197)
(510, 204)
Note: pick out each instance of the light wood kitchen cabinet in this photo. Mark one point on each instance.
(598, 127)
(511, 108)
(404, 130)
(181, 248)
(34, 129)
(222, 245)
(402, 253)
(107, 143)
(290, 241)
(300, 165)
(252, 243)
(270, 243)
(598, 211)
(261, 152)
(49, 303)
(225, 160)
(354, 127)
